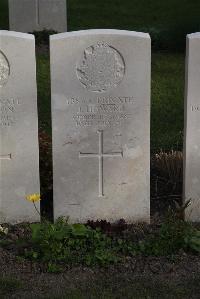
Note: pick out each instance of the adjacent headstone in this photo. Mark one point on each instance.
(37, 15)
(101, 125)
(19, 166)
(192, 128)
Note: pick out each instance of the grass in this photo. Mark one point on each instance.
(130, 14)
(127, 14)
(167, 21)
(167, 100)
(44, 94)
(4, 23)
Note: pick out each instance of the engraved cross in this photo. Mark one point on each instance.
(101, 155)
(5, 157)
(37, 11)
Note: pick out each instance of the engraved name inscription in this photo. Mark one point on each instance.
(8, 108)
(4, 69)
(101, 68)
(101, 111)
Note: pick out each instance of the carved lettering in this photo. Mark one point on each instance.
(195, 108)
(8, 107)
(101, 100)
(101, 111)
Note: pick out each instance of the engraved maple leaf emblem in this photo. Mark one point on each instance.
(4, 69)
(101, 68)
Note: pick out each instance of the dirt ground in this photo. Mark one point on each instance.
(134, 278)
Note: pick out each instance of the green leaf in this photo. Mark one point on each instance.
(79, 230)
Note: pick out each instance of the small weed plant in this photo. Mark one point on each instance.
(73, 244)
(174, 235)
(170, 165)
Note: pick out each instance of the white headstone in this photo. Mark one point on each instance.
(192, 128)
(101, 124)
(19, 166)
(37, 15)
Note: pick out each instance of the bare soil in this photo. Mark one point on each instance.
(181, 276)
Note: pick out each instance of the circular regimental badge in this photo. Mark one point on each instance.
(101, 68)
(4, 69)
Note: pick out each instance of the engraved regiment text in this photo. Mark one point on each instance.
(100, 111)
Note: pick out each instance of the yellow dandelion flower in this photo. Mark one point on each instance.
(33, 197)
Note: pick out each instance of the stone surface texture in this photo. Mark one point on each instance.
(192, 128)
(101, 125)
(19, 155)
(37, 15)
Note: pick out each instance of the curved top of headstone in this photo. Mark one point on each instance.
(99, 32)
(5, 38)
(101, 66)
(194, 35)
(16, 34)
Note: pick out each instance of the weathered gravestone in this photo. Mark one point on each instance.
(19, 166)
(192, 128)
(37, 15)
(100, 114)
